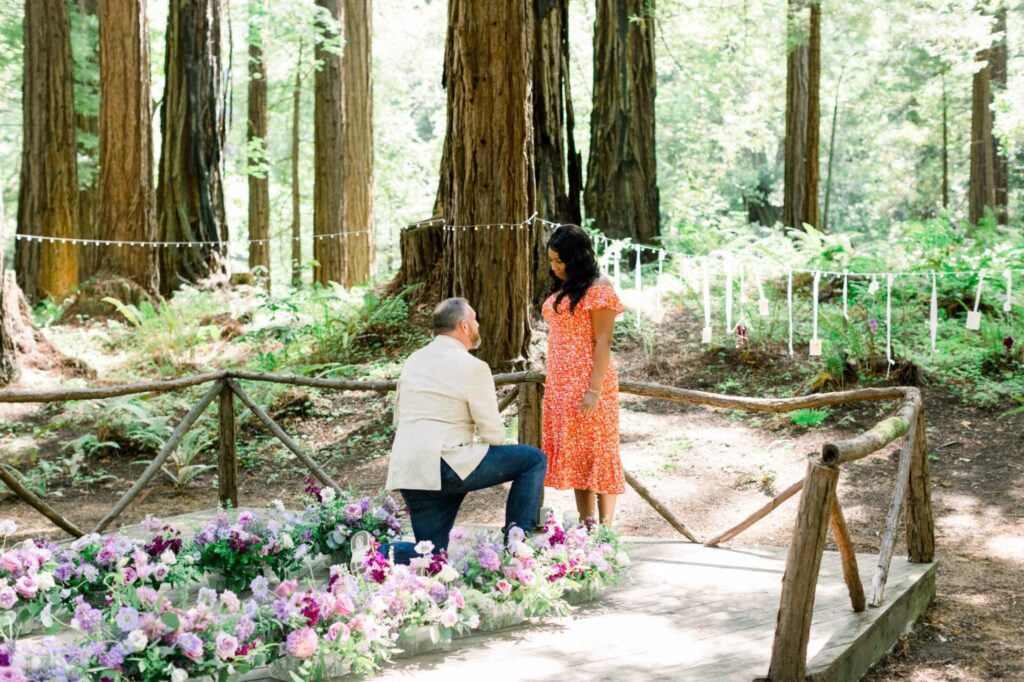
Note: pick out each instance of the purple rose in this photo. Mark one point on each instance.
(302, 643)
(191, 646)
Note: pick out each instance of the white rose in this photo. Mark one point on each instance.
(448, 574)
(327, 495)
(287, 542)
(622, 559)
(524, 551)
(45, 580)
(178, 675)
(168, 557)
(137, 640)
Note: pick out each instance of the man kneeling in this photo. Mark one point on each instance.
(448, 435)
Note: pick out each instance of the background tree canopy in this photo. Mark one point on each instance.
(888, 71)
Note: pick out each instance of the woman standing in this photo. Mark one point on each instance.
(581, 398)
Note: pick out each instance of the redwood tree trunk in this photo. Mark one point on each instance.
(8, 363)
(556, 162)
(88, 124)
(328, 162)
(190, 196)
(48, 195)
(488, 74)
(803, 74)
(989, 172)
(357, 69)
(127, 202)
(259, 182)
(622, 188)
(296, 213)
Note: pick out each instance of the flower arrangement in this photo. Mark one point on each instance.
(506, 576)
(27, 585)
(239, 551)
(365, 614)
(330, 519)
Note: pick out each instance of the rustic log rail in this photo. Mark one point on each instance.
(819, 508)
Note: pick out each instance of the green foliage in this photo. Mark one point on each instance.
(809, 418)
(182, 466)
(169, 333)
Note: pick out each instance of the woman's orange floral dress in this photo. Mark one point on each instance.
(582, 449)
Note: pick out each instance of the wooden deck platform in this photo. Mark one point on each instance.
(690, 613)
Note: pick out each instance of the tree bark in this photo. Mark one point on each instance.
(622, 189)
(803, 74)
(489, 145)
(557, 171)
(329, 155)
(259, 182)
(945, 143)
(296, 230)
(190, 195)
(8, 360)
(989, 169)
(88, 126)
(127, 201)
(48, 194)
(357, 72)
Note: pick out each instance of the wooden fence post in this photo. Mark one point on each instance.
(531, 413)
(796, 607)
(920, 524)
(227, 460)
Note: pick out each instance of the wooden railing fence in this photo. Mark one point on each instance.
(818, 512)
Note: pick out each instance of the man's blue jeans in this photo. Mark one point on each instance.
(433, 512)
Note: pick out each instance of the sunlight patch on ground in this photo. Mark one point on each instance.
(1008, 547)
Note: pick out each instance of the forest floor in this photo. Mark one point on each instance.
(712, 468)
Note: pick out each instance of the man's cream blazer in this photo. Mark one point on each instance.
(445, 408)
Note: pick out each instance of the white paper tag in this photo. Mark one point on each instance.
(815, 348)
(656, 315)
(1006, 306)
(706, 335)
(762, 307)
(974, 321)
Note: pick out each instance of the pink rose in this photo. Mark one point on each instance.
(227, 645)
(10, 562)
(8, 597)
(456, 596)
(449, 617)
(26, 586)
(343, 605)
(505, 587)
(302, 643)
(286, 588)
(338, 632)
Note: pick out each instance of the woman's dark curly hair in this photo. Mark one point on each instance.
(576, 250)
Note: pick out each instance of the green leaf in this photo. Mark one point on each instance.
(171, 621)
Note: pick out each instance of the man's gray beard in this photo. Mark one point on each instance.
(475, 343)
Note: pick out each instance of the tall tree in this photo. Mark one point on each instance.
(622, 185)
(296, 231)
(489, 169)
(48, 194)
(989, 169)
(329, 156)
(557, 164)
(259, 183)
(86, 52)
(127, 201)
(357, 72)
(803, 113)
(8, 365)
(190, 194)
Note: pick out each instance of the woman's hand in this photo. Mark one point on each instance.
(589, 404)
